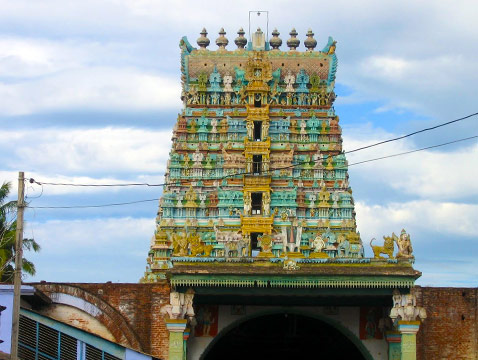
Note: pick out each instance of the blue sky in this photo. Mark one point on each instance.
(89, 92)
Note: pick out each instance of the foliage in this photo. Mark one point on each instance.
(8, 226)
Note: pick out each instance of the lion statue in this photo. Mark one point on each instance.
(387, 249)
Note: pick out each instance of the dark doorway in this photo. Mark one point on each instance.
(256, 202)
(257, 130)
(256, 164)
(284, 336)
(254, 242)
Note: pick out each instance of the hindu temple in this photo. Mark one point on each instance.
(256, 231)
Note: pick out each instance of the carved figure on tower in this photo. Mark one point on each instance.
(404, 244)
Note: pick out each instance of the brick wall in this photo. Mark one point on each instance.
(137, 305)
(140, 304)
(450, 331)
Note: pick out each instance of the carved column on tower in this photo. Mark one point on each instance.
(407, 316)
(179, 313)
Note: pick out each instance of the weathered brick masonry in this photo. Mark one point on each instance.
(136, 305)
(450, 331)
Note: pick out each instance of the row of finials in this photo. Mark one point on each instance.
(275, 42)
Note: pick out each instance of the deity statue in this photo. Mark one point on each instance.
(193, 126)
(289, 80)
(303, 125)
(312, 199)
(175, 301)
(180, 244)
(180, 305)
(405, 307)
(208, 161)
(404, 244)
(330, 163)
(188, 309)
(247, 205)
(187, 163)
(266, 203)
(318, 244)
(227, 99)
(265, 243)
(335, 199)
(202, 198)
(250, 129)
(227, 80)
(197, 157)
(192, 95)
(265, 130)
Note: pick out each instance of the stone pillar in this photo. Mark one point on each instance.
(404, 314)
(177, 343)
(394, 340)
(178, 313)
(408, 330)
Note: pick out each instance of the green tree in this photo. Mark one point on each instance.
(8, 226)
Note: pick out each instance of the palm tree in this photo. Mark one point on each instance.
(8, 226)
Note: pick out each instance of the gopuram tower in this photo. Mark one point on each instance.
(257, 208)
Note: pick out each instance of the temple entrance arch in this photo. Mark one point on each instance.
(286, 334)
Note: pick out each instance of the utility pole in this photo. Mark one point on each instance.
(17, 280)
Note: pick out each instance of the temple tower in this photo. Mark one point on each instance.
(257, 196)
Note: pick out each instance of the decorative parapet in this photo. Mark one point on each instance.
(292, 281)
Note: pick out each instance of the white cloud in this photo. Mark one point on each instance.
(421, 216)
(60, 237)
(438, 174)
(56, 154)
(91, 250)
(90, 88)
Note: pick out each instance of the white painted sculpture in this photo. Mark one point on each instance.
(405, 307)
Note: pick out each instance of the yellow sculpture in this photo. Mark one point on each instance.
(197, 247)
(265, 242)
(386, 249)
(180, 244)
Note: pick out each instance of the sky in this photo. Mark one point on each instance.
(90, 91)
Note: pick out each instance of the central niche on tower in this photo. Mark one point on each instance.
(257, 130)
(256, 203)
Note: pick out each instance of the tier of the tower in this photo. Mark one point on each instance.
(256, 170)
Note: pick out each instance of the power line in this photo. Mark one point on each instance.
(357, 163)
(411, 134)
(252, 172)
(413, 151)
(93, 185)
(92, 206)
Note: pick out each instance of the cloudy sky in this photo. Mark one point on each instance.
(89, 92)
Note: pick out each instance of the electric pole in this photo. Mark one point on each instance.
(17, 280)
